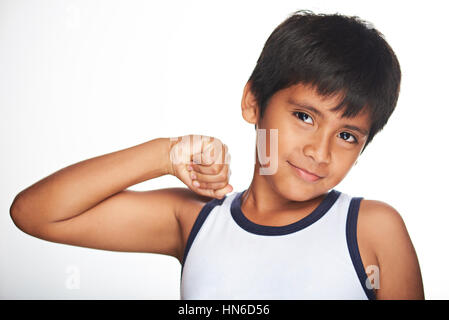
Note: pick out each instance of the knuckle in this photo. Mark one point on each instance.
(214, 170)
(224, 174)
(219, 185)
(206, 159)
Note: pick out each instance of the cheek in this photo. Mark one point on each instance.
(288, 146)
(274, 143)
(341, 166)
(346, 158)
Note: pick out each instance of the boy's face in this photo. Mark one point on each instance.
(318, 141)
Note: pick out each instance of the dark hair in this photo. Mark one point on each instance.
(336, 54)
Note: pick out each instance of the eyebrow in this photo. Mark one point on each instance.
(320, 114)
(306, 106)
(360, 130)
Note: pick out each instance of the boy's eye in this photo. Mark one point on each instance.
(303, 116)
(347, 135)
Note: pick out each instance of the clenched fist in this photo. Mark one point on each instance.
(202, 163)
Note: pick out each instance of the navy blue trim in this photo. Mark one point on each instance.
(315, 215)
(204, 213)
(353, 246)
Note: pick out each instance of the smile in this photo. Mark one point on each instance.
(307, 176)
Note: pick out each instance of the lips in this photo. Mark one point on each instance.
(304, 174)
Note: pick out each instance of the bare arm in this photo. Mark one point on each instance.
(400, 275)
(86, 204)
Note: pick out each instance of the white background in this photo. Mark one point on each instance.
(84, 78)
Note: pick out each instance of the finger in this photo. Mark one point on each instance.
(219, 193)
(221, 176)
(212, 153)
(215, 168)
(211, 185)
(212, 170)
(209, 154)
(199, 145)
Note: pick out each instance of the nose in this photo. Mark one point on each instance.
(318, 148)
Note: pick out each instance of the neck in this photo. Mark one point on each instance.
(262, 198)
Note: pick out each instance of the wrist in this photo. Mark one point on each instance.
(168, 144)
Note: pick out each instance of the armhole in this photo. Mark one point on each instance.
(351, 238)
(204, 213)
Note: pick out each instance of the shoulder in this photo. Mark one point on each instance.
(382, 227)
(380, 215)
(380, 223)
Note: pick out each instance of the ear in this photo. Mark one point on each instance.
(250, 108)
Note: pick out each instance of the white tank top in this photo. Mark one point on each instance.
(227, 256)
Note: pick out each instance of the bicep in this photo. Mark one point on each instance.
(131, 221)
(400, 275)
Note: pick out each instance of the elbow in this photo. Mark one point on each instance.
(15, 212)
(21, 216)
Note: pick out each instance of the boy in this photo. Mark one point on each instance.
(323, 86)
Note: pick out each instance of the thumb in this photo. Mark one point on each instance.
(220, 193)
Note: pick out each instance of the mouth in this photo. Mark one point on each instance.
(304, 174)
